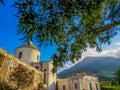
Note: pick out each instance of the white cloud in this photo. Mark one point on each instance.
(117, 44)
(67, 65)
(90, 52)
(110, 52)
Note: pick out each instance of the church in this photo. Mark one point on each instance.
(29, 68)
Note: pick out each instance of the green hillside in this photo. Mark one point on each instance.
(103, 67)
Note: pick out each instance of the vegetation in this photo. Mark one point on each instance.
(113, 84)
(22, 77)
(72, 25)
(4, 85)
(2, 1)
(110, 88)
(117, 76)
(108, 85)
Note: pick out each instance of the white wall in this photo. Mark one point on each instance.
(82, 83)
(50, 78)
(28, 54)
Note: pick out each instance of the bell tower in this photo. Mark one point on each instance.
(49, 79)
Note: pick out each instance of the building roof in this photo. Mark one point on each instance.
(29, 45)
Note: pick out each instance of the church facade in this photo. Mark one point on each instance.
(79, 81)
(28, 56)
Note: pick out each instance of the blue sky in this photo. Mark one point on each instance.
(9, 40)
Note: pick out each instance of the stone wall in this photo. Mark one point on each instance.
(64, 83)
(10, 64)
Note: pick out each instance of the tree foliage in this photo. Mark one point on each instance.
(2, 1)
(117, 76)
(72, 25)
(22, 77)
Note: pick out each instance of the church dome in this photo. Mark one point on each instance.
(28, 52)
(32, 46)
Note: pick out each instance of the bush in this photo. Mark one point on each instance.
(110, 88)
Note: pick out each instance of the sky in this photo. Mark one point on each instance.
(9, 39)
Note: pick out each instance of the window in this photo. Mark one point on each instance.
(76, 87)
(63, 87)
(20, 55)
(90, 85)
(44, 77)
(41, 64)
(96, 85)
(37, 67)
(37, 57)
(1, 59)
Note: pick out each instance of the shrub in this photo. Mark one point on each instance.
(110, 88)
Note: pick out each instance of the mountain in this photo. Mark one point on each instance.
(103, 67)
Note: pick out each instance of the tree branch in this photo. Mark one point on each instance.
(2, 1)
(105, 28)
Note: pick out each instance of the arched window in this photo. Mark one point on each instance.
(37, 57)
(76, 86)
(44, 76)
(96, 86)
(63, 87)
(90, 85)
(1, 59)
(20, 55)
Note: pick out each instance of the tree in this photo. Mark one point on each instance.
(117, 76)
(2, 1)
(72, 25)
(22, 77)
